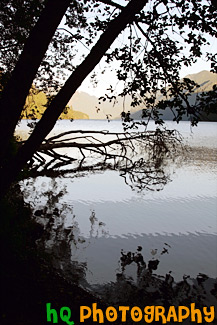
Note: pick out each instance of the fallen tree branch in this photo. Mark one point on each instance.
(139, 157)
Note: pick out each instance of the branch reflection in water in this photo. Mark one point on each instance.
(140, 157)
(141, 287)
(137, 278)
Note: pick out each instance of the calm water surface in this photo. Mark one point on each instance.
(101, 217)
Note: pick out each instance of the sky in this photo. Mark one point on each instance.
(109, 78)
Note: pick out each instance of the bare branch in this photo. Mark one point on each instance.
(139, 157)
(112, 3)
(73, 37)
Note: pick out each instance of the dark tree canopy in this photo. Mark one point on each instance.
(159, 37)
(153, 46)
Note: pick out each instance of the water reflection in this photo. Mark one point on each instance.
(135, 278)
(148, 288)
(142, 159)
(130, 244)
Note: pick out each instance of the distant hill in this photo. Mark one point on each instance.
(84, 106)
(36, 105)
(90, 105)
(206, 80)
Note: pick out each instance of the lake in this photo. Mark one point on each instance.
(105, 234)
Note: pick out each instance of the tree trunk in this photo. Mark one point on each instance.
(48, 120)
(16, 91)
